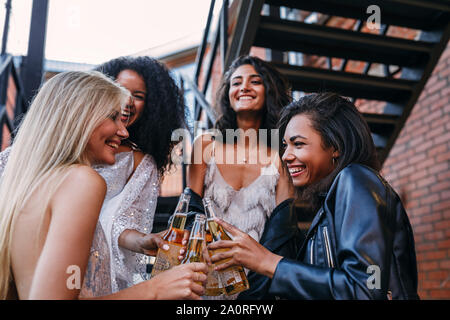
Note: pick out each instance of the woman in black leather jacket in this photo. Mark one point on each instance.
(360, 243)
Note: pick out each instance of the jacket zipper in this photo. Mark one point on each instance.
(328, 247)
(311, 254)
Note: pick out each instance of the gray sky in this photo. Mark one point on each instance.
(93, 31)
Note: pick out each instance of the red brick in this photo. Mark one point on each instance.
(439, 294)
(443, 157)
(439, 122)
(423, 228)
(445, 185)
(438, 275)
(428, 163)
(444, 195)
(419, 192)
(430, 284)
(434, 235)
(444, 176)
(426, 181)
(421, 211)
(435, 255)
(434, 132)
(442, 205)
(442, 138)
(444, 264)
(425, 246)
(424, 146)
(437, 86)
(432, 217)
(439, 167)
(417, 158)
(437, 149)
(426, 266)
(432, 116)
(432, 198)
(445, 243)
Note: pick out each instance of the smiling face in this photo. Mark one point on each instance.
(247, 92)
(105, 140)
(304, 153)
(131, 80)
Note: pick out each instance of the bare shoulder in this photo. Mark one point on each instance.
(83, 176)
(82, 187)
(138, 156)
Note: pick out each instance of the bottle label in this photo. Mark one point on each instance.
(230, 276)
(166, 259)
(214, 286)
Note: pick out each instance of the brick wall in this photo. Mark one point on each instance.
(418, 168)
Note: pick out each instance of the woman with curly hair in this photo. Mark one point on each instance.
(154, 110)
(247, 187)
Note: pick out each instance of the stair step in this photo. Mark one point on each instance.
(308, 79)
(381, 124)
(422, 15)
(285, 35)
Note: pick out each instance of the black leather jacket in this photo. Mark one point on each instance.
(360, 246)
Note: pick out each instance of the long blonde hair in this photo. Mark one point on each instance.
(52, 138)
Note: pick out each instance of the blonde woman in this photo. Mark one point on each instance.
(51, 245)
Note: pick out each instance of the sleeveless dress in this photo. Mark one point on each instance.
(128, 205)
(247, 208)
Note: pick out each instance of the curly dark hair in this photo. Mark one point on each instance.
(277, 94)
(164, 109)
(342, 127)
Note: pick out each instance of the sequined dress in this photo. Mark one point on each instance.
(247, 208)
(130, 203)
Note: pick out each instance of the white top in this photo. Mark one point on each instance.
(247, 208)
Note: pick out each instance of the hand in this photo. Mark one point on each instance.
(149, 243)
(186, 281)
(184, 242)
(244, 251)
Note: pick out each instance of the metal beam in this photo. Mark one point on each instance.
(33, 67)
(6, 26)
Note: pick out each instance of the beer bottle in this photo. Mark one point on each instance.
(233, 278)
(213, 284)
(194, 251)
(174, 235)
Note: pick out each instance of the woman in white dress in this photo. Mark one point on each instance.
(155, 110)
(50, 203)
(243, 177)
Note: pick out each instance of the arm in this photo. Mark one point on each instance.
(74, 214)
(180, 282)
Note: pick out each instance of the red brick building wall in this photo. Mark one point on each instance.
(418, 167)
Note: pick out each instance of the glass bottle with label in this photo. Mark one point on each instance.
(194, 250)
(174, 235)
(213, 284)
(233, 278)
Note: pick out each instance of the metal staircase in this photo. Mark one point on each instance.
(403, 65)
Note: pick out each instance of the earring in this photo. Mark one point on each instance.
(334, 161)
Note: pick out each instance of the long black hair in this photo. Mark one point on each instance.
(164, 109)
(277, 94)
(341, 127)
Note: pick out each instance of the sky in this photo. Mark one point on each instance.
(93, 31)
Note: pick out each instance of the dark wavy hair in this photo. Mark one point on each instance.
(342, 127)
(277, 94)
(164, 109)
